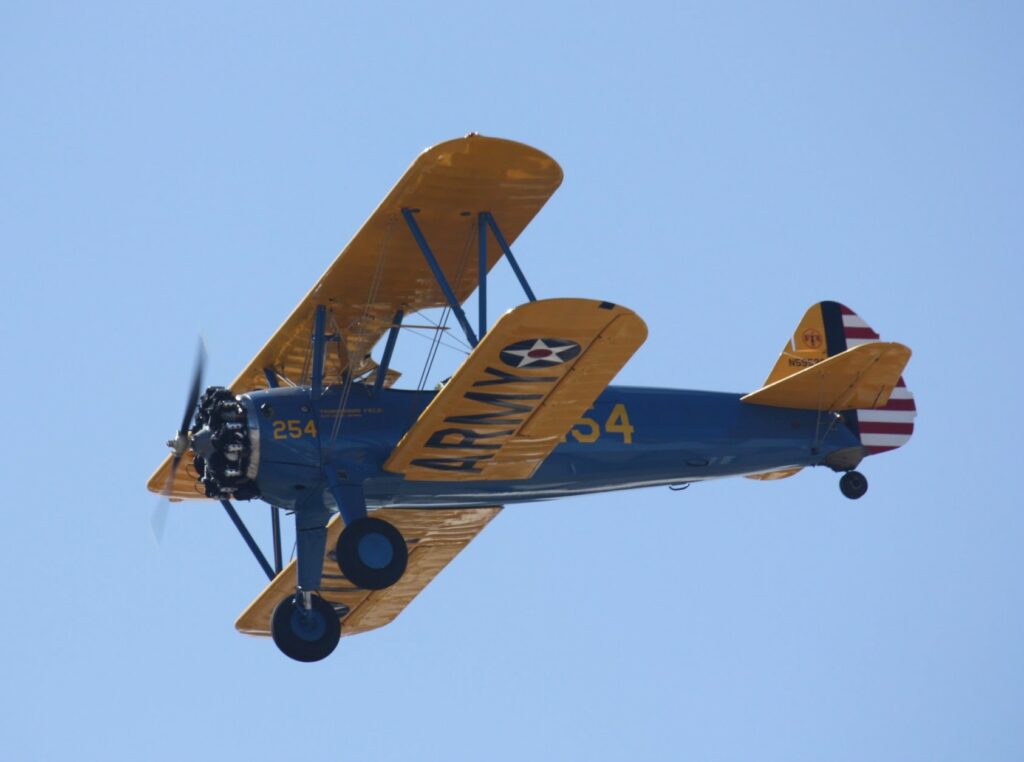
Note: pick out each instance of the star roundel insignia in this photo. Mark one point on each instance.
(539, 353)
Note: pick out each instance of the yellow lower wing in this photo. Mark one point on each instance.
(771, 476)
(859, 378)
(434, 536)
(519, 392)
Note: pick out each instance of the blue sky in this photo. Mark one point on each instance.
(171, 170)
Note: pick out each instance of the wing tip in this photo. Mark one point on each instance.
(512, 155)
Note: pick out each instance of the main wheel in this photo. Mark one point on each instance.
(371, 553)
(305, 635)
(853, 485)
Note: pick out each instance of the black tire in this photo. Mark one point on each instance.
(372, 553)
(305, 635)
(853, 485)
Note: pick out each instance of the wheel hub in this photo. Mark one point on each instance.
(375, 551)
(308, 624)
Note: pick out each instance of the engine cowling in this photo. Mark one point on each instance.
(225, 447)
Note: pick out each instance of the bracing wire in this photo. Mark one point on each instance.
(418, 334)
(446, 313)
(346, 369)
(439, 327)
(432, 352)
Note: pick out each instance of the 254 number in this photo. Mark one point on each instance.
(293, 429)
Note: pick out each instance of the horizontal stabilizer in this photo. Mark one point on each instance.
(861, 377)
(434, 536)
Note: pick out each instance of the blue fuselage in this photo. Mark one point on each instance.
(631, 437)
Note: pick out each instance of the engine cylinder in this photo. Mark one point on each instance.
(224, 464)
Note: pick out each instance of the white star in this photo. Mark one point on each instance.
(540, 352)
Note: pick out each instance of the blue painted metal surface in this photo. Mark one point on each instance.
(389, 348)
(319, 343)
(275, 530)
(244, 531)
(271, 377)
(310, 546)
(481, 226)
(375, 551)
(439, 275)
(500, 238)
(347, 493)
(677, 436)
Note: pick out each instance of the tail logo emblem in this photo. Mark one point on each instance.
(539, 353)
(812, 338)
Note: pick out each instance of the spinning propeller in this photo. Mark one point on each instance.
(180, 444)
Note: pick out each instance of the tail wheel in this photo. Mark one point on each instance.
(305, 634)
(372, 553)
(853, 485)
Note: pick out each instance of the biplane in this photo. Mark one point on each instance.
(386, 485)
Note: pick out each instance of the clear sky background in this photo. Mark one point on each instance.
(172, 169)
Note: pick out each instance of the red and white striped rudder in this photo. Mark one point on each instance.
(885, 428)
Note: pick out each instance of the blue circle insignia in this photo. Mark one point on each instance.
(539, 353)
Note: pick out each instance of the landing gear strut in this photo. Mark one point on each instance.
(853, 485)
(372, 553)
(305, 627)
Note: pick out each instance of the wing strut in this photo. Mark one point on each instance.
(389, 348)
(319, 344)
(481, 268)
(244, 531)
(275, 527)
(485, 221)
(492, 223)
(442, 281)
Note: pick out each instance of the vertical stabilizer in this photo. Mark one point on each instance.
(827, 329)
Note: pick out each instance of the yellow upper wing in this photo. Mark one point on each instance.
(859, 378)
(435, 536)
(382, 270)
(519, 392)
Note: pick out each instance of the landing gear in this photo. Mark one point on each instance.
(853, 485)
(371, 553)
(305, 633)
